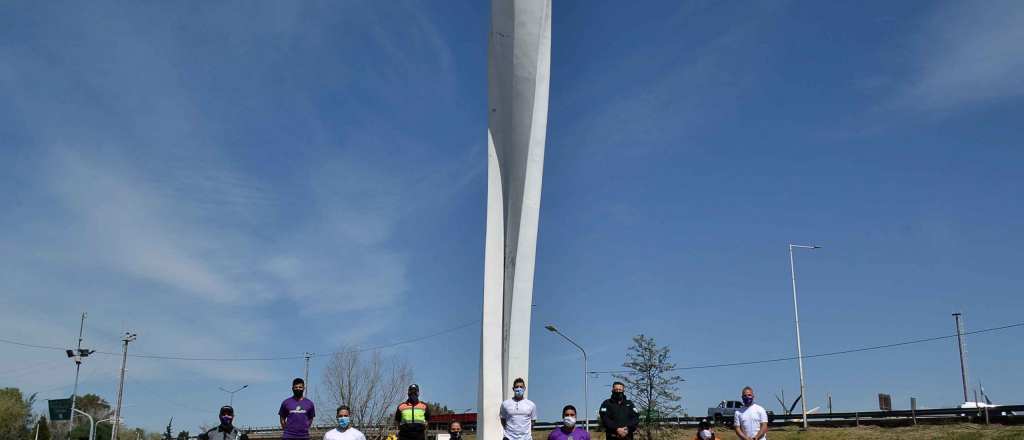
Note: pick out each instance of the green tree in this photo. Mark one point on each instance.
(44, 429)
(648, 381)
(183, 435)
(103, 431)
(437, 408)
(167, 434)
(93, 405)
(15, 414)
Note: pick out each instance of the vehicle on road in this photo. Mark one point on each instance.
(723, 413)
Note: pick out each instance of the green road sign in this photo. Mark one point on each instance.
(60, 409)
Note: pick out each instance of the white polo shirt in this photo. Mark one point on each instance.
(749, 419)
(518, 415)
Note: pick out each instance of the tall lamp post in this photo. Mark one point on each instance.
(232, 393)
(586, 397)
(796, 313)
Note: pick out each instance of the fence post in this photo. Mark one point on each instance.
(986, 416)
(856, 416)
(913, 410)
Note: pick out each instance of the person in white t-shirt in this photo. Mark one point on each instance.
(344, 430)
(751, 421)
(518, 414)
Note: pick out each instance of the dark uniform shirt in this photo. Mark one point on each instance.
(219, 433)
(616, 415)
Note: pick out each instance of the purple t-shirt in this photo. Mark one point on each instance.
(576, 434)
(297, 414)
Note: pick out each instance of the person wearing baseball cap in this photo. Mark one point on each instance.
(412, 416)
(705, 431)
(226, 430)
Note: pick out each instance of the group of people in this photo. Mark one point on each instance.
(518, 415)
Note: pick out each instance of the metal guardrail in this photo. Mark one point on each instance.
(999, 414)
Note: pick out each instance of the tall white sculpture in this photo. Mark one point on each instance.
(518, 71)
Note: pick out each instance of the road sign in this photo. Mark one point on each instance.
(60, 409)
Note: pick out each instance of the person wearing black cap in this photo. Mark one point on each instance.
(412, 416)
(226, 430)
(705, 431)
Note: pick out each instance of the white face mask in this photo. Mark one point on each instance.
(569, 421)
(706, 435)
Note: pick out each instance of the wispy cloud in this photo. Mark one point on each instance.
(970, 53)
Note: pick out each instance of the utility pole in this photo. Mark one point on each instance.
(128, 337)
(963, 351)
(305, 387)
(78, 354)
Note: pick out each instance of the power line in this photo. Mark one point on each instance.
(793, 358)
(94, 370)
(33, 366)
(31, 345)
(162, 397)
(179, 358)
(36, 371)
(98, 378)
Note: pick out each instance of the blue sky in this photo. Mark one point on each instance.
(263, 180)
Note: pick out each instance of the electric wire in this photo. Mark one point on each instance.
(32, 366)
(162, 397)
(179, 358)
(36, 372)
(81, 382)
(696, 367)
(834, 353)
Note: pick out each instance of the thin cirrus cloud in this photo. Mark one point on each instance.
(970, 53)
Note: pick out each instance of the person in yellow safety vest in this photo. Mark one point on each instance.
(412, 416)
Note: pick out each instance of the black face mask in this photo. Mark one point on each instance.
(617, 395)
(297, 394)
(456, 435)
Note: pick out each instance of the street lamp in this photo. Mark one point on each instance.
(232, 393)
(796, 314)
(92, 425)
(586, 397)
(97, 425)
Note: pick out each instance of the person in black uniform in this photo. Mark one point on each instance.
(226, 430)
(618, 415)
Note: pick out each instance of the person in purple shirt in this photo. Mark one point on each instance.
(569, 431)
(297, 412)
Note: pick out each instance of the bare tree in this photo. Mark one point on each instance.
(370, 383)
(647, 378)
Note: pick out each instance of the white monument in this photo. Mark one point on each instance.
(518, 71)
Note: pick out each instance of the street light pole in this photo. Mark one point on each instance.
(78, 366)
(586, 389)
(232, 393)
(796, 314)
(97, 426)
(92, 426)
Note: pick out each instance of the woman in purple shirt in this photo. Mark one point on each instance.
(569, 431)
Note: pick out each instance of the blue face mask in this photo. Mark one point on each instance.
(519, 391)
(344, 422)
(226, 420)
(748, 400)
